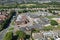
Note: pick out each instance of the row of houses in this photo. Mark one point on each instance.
(47, 35)
(3, 15)
(25, 1)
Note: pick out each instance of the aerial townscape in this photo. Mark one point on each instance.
(29, 19)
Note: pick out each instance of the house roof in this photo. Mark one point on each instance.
(2, 17)
(58, 39)
(37, 36)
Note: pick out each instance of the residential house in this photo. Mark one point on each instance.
(37, 36)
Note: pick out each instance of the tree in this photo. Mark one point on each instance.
(53, 23)
(50, 11)
(52, 38)
(7, 21)
(27, 36)
(8, 36)
(21, 35)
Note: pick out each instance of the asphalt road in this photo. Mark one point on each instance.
(2, 33)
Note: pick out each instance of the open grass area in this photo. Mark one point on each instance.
(12, 23)
(32, 6)
(57, 28)
(11, 28)
(27, 4)
(51, 28)
(50, 17)
(48, 28)
(43, 5)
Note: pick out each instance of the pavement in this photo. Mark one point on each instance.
(2, 33)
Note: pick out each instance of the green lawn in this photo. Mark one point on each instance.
(51, 28)
(48, 28)
(52, 17)
(11, 28)
(57, 28)
(12, 23)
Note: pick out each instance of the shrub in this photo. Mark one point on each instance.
(8, 36)
(53, 23)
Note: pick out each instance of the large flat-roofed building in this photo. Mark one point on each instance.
(23, 21)
(30, 20)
